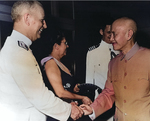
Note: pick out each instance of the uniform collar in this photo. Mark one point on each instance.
(131, 53)
(20, 37)
(104, 43)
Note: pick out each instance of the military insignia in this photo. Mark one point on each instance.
(23, 45)
(93, 47)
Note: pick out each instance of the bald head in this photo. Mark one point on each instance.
(128, 24)
(123, 34)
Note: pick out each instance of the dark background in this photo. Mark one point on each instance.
(81, 21)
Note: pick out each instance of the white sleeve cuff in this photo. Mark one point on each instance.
(92, 116)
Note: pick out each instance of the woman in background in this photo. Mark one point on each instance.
(58, 75)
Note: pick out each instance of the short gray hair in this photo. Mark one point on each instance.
(19, 6)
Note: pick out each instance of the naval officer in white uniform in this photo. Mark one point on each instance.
(23, 95)
(97, 60)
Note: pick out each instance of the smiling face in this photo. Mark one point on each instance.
(37, 23)
(118, 38)
(121, 35)
(106, 34)
(28, 18)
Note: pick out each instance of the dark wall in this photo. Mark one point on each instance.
(88, 17)
(81, 21)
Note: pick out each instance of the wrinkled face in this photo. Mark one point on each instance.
(119, 36)
(63, 47)
(38, 23)
(106, 34)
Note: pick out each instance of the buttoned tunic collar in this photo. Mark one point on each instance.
(20, 37)
(130, 54)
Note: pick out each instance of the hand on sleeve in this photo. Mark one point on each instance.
(86, 100)
(76, 89)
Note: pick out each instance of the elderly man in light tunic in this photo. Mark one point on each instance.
(128, 77)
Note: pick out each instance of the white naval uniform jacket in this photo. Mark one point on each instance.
(97, 61)
(23, 95)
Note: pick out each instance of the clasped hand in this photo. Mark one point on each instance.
(78, 112)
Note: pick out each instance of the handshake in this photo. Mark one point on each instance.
(78, 112)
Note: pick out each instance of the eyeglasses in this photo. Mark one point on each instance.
(66, 43)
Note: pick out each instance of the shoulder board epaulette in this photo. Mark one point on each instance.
(93, 47)
(23, 45)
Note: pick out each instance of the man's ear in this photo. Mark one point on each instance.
(130, 34)
(101, 31)
(26, 19)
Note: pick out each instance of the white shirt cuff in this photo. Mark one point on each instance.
(92, 116)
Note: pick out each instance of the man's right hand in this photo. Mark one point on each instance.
(86, 109)
(76, 112)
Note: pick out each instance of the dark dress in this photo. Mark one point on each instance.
(68, 84)
(67, 81)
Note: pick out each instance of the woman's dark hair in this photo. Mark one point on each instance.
(57, 37)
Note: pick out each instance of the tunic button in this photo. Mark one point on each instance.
(124, 101)
(98, 64)
(125, 74)
(125, 87)
(125, 114)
